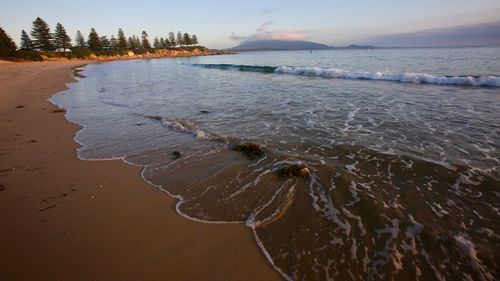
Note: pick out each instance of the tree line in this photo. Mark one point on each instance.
(42, 39)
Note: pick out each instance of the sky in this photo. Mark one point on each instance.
(223, 24)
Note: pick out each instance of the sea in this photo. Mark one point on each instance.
(379, 164)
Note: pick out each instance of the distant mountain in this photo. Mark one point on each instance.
(262, 45)
(357, 47)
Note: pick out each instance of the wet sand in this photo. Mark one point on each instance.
(66, 219)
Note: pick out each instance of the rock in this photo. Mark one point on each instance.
(176, 154)
(251, 150)
(152, 117)
(295, 171)
(205, 112)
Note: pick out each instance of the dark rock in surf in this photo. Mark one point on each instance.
(295, 171)
(176, 154)
(251, 150)
(152, 117)
(205, 112)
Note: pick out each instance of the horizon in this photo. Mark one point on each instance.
(224, 25)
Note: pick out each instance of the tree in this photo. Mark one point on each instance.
(94, 42)
(42, 38)
(144, 41)
(61, 38)
(171, 38)
(137, 43)
(7, 46)
(26, 43)
(186, 39)
(105, 44)
(162, 43)
(122, 42)
(79, 40)
(113, 43)
(179, 39)
(156, 43)
(194, 40)
(130, 43)
(133, 43)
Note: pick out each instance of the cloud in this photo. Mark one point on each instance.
(237, 37)
(266, 12)
(264, 33)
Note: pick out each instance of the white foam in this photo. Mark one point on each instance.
(412, 77)
(469, 250)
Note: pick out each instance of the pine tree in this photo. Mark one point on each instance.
(61, 38)
(94, 42)
(186, 39)
(137, 43)
(171, 38)
(144, 41)
(105, 44)
(26, 43)
(179, 39)
(79, 40)
(42, 38)
(113, 43)
(130, 43)
(133, 44)
(162, 43)
(156, 43)
(194, 40)
(7, 46)
(122, 42)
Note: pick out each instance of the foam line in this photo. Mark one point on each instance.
(409, 77)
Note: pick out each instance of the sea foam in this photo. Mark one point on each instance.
(410, 77)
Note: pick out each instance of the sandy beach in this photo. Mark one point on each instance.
(67, 219)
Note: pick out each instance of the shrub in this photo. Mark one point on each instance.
(28, 55)
(81, 53)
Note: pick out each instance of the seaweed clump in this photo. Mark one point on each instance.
(294, 171)
(251, 150)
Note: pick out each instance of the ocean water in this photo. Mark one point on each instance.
(401, 148)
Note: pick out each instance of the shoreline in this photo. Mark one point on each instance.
(95, 219)
(130, 56)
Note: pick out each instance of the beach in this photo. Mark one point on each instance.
(67, 219)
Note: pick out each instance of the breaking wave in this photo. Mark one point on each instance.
(410, 77)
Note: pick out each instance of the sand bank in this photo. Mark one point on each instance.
(66, 219)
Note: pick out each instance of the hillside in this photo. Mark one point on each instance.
(260, 45)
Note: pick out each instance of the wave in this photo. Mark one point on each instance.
(244, 68)
(410, 77)
(186, 126)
